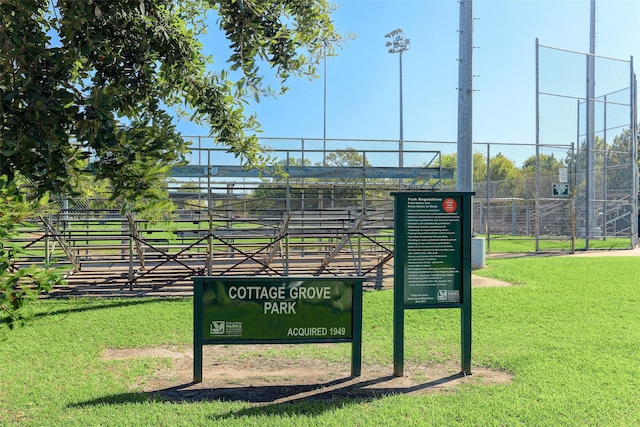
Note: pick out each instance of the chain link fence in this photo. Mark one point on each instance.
(528, 196)
(598, 116)
(337, 202)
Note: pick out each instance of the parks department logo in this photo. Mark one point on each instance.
(448, 295)
(217, 327)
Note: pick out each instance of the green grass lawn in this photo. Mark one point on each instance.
(526, 244)
(569, 334)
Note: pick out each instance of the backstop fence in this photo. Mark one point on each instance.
(599, 117)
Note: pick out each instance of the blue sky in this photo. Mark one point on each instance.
(363, 80)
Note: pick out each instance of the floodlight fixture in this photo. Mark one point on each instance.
(394, 32)
(399, 43)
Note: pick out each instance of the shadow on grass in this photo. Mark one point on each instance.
(95, 303)
(73, 306)
(297, 399)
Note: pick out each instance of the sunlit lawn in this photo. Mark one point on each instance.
(569, 333)
(527, 244)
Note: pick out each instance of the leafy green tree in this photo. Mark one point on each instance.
(504, 176)
(450, 161)
(18, 286)
(502, 169)
(93, 83)
(619, 164)
(349, 157)
(549, 165)
(345, 195)
(614, 158)
(447, 161)
(96, 79)
(314, 191)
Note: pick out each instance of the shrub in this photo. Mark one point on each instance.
(18, 286)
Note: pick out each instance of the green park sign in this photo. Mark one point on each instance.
(280, 310)
(432, 261)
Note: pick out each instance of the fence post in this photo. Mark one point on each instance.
(537, 194)
(488, 216)
(513, 217)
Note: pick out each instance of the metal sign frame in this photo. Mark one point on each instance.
(277, 310)
(432, 265)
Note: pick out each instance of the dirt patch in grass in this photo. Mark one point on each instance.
(252, 374)
(487, 282)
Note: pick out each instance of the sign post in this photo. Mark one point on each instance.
(432, 265)
(282, 310)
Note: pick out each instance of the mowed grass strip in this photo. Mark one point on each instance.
(569, 333)
(527, 244)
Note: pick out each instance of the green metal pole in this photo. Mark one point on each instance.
(465, 318)
(356, 344)
(398, 333)
(399, 242)
(197, 331)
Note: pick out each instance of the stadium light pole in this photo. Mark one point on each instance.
(399, 44)
(324, 104)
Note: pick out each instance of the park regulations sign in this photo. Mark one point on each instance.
(432, 262)
(430, 250)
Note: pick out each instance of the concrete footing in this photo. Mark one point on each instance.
(477, 253)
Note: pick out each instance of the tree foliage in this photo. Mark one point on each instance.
(348, 157)
(549, 165)
(500, 167)
(316, 192)
(612, 161)
(18, 286)
(97, 79)
(619, 163)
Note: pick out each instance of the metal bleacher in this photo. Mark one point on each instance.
(334, 221)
